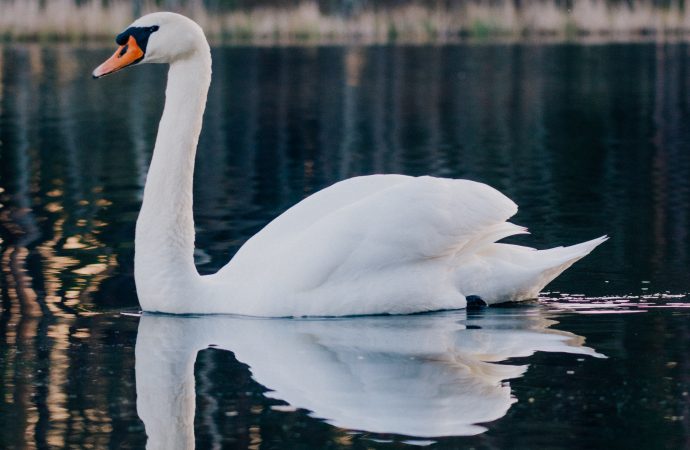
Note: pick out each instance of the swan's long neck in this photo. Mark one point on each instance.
(164, 242)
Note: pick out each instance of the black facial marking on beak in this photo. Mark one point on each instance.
(140, 34)
(124, 49)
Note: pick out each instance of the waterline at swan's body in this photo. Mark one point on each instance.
(367, 245)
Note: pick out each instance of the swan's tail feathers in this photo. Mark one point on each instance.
(506, 272)
(556, 260)
(573, 252)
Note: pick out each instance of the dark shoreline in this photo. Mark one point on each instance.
(308, 22)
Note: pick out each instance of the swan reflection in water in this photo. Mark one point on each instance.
(428, 375)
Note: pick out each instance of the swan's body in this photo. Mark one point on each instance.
(367, 245)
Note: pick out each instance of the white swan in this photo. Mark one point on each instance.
(420, 375)
(376, 244)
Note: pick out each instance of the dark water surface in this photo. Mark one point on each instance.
(588, 140)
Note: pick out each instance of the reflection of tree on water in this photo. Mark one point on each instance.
(585, 139)
(670, 187)
(423, 375)
(48, 216)
(21, 305)
(63, 198)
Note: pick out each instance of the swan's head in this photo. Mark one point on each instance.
(161, 37)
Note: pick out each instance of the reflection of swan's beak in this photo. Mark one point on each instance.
(423, 376)
(124, 56)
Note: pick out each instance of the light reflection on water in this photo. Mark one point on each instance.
(587, 139)
(613, 304)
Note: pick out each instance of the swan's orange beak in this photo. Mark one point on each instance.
(124, 56)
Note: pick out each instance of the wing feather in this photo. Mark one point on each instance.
(373, 223)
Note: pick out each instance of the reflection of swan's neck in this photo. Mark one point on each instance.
(164, 243)
(166, 399)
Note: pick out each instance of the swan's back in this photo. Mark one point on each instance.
(425, 216)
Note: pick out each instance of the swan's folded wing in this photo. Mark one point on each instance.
(308, 212)
(404, 222)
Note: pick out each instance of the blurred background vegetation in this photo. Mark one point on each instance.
(371, 21)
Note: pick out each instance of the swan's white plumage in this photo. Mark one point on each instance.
(383, 243)
(368, 245)
(392, 244)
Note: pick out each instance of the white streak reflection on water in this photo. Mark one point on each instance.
(613, 304)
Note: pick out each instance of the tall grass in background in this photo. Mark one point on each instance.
(372, 21)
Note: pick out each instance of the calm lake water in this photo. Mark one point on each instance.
(587, 139)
